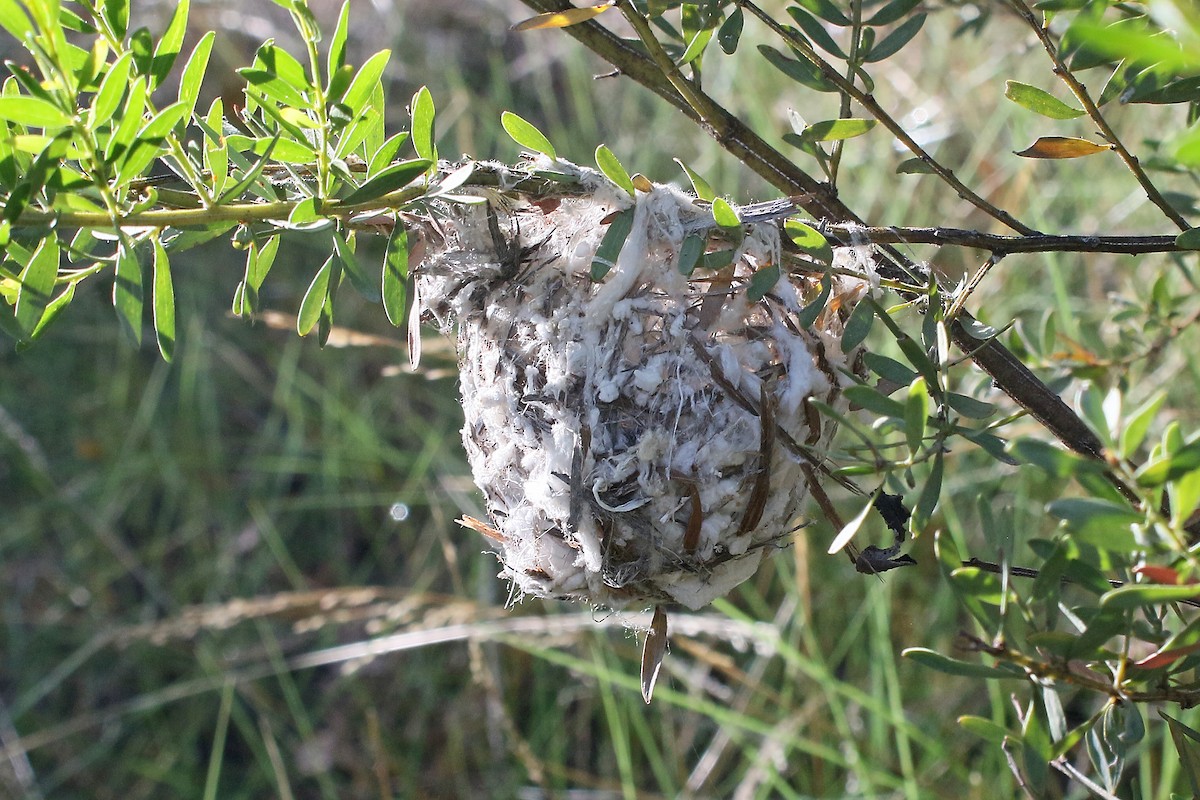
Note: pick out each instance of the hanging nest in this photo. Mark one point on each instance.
(648, 437)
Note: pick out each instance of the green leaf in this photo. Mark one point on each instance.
(193, 73)
(931, 492)
(696, 46)
(395, 276)
(808, 239)
(169, 46)
(984, 728)
(1168, 468)
(116, 13)
(889, 369)
(129, 117)
(1039, 101)
(359, 278)
(969, 407)
(1056, 461)
(916, 413)
(952, 666)
(32, 112)
(112, 89)
(250, 176)
(827, 10)
(164, 302)
(873, 400)
(337, 43)
(1189, 239)
(1100, 523)
(803, 72)
(14, 20)
(914, 166)
(730, 32)
(690, 252)
(762, 281)
(837, 130)
(37, 285)
(525, 134)
(610, 246)
(422, 125)
(857, 326)
(1134, 431)
(1138, 595)
(612, 169)
(394, 177)
(700, 186)
(386, 153)
(147, 144)
(313, 304)
(127, 292)
(724, 215)
(815, 31)
(1187, 746)
(891, 44)
(892, 12)
(808, 315)
(364, 83)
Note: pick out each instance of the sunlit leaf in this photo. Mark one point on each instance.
(1039, 101)
(128, 298)
(164, 302)
(562, 19)
(314, 299)
(1062, 147)
(700, 186)
(527, 135)
(837, 129)
(850, 528)
(37, 284)
(724, 214)
(395, 276)
(33, 112)
(169, 45)
(612, 169)
(394, 177)
(423, 112)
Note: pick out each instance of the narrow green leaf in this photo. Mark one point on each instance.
(610, 246)
(696, 46)
(891, 44)
(889, 369)
(193, 73)
(337, 43)
(1039, 101)
(992, 732)
(164, 302)
(702, 188)
(128, 298)
(857, 327)
(1137, 595)
(1134, 431)
(802, 72)
(894, 11)
(1056, 461)
(364, 83)
(1172, 467)
(54, 309)
(808, 315)
(422, 112)
(360, 279)
(815, 31)
(931, 492)
(14, 20)
(1187, 746)
(250, 176)
(1097, 522)
(871, 399)
(147, 144)
(32, 112)
(612, 169)
(952, 666)
(116, 13)
(129, 120)
(394, 177)
(1189, 239)
(525, 134)
(314, 299)
(827, 10)
(914, 166)
(690, 252)
(37, 285)
(112, 89)
(395, 276)
(916, 413)
(169, 45)
(762, 281)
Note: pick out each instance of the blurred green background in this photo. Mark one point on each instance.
(182, 546)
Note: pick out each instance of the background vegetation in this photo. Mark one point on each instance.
(183, 546)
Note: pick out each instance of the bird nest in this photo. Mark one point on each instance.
(648, 437)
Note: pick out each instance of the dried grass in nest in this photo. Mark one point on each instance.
(645, 438)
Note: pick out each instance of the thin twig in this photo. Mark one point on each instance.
(1023, 10)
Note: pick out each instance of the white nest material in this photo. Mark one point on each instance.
(645, 438)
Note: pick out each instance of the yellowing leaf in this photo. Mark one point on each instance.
(1062, 147)
(562, 19)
